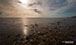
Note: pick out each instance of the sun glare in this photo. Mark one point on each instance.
(24, 1)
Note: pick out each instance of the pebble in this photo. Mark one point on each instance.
(54, 35)
(31, 40)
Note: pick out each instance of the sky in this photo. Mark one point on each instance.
(37, 8)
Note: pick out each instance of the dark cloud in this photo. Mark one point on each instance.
(39, 3)
(32, 4)
(19, 2)
(36, 3)
(37, 11)
(6, 2)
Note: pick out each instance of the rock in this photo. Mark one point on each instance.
(44, 35)
(58, 23)
(26, 25)
(31, 40)
(0, 13)
(36, 24)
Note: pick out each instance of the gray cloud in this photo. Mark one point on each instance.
(43, 7)
(52, 7)
(37, 11)
(35, 3)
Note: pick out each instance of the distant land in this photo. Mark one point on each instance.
(74, 17)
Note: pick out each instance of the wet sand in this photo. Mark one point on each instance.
(40, 32)
(9, 28)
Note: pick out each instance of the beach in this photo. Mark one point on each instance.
(38, 31)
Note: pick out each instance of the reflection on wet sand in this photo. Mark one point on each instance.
(40, 32)
(10, 28)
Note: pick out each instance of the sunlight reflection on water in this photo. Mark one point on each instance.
(25, 28)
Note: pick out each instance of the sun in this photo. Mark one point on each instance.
(24, 1)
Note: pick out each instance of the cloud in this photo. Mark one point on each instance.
(37, 11)
(39, 7)
(35, 3)
(52, 7)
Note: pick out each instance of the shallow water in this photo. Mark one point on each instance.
(10, 27)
